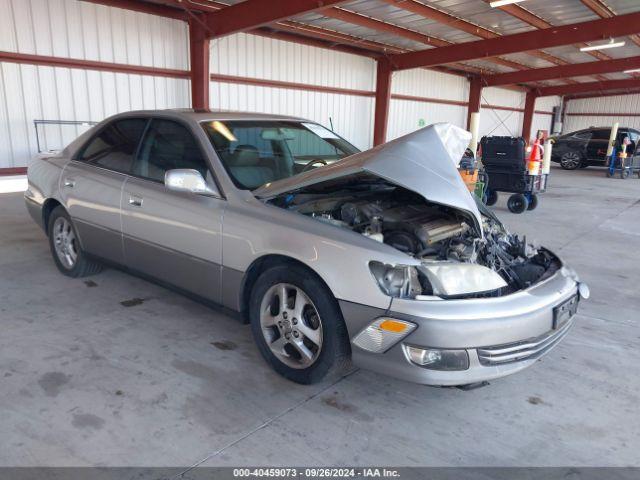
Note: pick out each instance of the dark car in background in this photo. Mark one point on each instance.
(587, 147)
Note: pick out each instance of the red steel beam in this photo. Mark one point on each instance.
(475, 98)
(383, 97)
(603, 11)
(563, 71)
(591, 87)
(50, 61)
(520, 42)
(526, 16)
(251, 14)
(527, 118)
(199, 55)
(380, 26)
(452, 21)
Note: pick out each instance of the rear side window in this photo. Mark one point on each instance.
(168, 145)
(115, 146)
(584, 135)
(601, 134)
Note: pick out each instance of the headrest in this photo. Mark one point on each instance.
(246, 156)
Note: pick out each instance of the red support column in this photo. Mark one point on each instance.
(475, 97)
(527, 121)
(383, 96)
(199, 54)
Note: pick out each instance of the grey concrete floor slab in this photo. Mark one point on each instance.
(165, 381)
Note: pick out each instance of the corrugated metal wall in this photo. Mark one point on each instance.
(603, 107)
(543, 122)
(268, 59)
(406, 116)
(73, 29)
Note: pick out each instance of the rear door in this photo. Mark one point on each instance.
(597, 147)
(172, 236)
(91, 186)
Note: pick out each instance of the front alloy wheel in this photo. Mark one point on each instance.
(571, 160)
(297, 324)
(291, 325)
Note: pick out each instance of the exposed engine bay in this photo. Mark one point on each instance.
(432, 233)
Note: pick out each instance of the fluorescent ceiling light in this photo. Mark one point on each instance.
(603, 46)
(501, 3)
(633, 70)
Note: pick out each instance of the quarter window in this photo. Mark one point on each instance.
(168, 145)
(115, 146)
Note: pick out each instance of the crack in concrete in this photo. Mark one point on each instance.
(265, 424)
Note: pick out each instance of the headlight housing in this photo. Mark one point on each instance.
(400, 281)
(456, 279)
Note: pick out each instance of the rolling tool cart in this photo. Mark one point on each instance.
(505, 164)
(623, 165)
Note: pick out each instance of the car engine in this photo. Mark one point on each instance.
(428, 232)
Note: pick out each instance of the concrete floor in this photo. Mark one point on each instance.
(165, 381)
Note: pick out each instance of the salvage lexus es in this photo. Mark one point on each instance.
(383, 258)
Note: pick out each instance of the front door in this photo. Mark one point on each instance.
(91, 186)
(172, 236)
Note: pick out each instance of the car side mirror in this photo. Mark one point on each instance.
(188, 180)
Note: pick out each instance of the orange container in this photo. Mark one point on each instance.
(470, 178)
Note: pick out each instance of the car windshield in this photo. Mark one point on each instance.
(259, 152)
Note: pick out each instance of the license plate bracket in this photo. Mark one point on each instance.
(563, 312)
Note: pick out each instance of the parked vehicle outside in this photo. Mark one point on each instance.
(382, 258)
(587, 147)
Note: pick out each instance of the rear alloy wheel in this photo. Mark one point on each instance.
(517, 203)
(571, 160)
(65, 247)
(297, 324)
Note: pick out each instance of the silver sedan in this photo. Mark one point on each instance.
(381, 258)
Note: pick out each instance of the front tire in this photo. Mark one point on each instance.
(571, 160)
(297, 324)
(65, 246)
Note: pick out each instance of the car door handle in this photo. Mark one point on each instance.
(135, 201)
(69, 182)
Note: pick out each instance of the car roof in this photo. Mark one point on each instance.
(209, 115)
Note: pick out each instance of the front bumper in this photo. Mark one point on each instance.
(501, 335)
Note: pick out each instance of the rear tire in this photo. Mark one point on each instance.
(533, 202)
(65, 246)
(304, 338)
(517, 203)
(492, 197)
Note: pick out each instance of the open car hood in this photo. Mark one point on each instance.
(424, 161)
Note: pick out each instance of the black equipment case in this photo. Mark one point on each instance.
(505, 162)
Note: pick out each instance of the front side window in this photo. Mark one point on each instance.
(115, 145)
(259, 152)
(168, 145)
